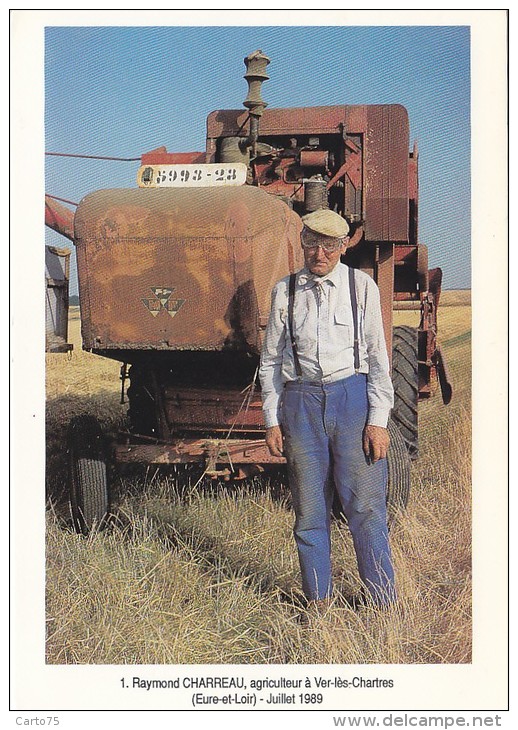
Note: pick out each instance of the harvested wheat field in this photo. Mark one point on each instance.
(191, 575)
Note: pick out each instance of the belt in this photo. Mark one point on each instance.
(317, 383)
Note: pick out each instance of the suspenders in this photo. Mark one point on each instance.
(354, 305)
(291, 298)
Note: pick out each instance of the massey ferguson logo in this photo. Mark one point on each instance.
(161, 299)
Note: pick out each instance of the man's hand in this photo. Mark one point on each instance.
(375, 442)
(274, 440)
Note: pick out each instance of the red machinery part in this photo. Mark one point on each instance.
(59, 218)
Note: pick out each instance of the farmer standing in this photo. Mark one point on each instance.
(327, 396)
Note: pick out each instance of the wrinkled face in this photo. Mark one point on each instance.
(322, 253)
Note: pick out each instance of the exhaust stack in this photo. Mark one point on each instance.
(256, 64)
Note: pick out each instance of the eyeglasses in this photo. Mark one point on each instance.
(310, 245)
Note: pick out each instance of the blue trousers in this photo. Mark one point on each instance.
(323, 427)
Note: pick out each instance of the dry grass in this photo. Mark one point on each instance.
(199, 576)
(456, 298)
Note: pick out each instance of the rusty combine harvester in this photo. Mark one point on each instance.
(175, 278)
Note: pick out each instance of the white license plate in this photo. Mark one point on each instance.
(191, 176)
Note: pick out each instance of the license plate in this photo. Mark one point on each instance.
(191, 176)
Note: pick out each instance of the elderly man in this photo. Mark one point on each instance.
(327, 396)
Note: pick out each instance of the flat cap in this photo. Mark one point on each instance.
(327, 223)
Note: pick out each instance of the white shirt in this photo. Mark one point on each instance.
(324, 333)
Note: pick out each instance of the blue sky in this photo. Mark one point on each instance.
(122, 91)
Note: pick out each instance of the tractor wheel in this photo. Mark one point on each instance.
(398, 466)
(406, 385)
(88, 474)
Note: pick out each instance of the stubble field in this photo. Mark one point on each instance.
(210, 576)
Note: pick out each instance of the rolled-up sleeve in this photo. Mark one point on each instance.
(270, 370)
(380, 391)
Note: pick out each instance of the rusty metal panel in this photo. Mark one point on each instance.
(57, 264)
(161, 156)
(181, 269)
(198, 409)
(405, 255)
(297, 120)
(356, 119)
(386, 178)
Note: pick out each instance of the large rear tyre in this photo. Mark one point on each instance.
(398, 466)
(88, 474)
(406, 385)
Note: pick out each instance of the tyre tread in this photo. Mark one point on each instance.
(398, 463)
(406, 388)
(88, 473)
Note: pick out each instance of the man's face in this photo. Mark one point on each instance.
(322, 253)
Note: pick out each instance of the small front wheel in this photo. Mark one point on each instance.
(88, 474)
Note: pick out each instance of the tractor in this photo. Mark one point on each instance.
(175, 277)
